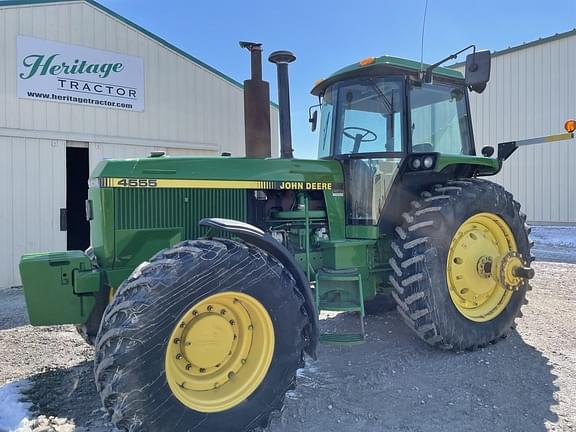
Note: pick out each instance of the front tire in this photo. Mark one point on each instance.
(207, 336)
(446, 278)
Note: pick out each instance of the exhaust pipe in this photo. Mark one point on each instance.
(257, 133)
(282, 59)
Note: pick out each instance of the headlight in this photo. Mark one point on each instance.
(428, 162)
(416, 163)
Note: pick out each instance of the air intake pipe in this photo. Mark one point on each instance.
(282, 59)
(256, 107)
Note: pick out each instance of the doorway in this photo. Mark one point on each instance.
(77, 173)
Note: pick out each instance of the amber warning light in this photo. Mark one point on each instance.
(570, 125)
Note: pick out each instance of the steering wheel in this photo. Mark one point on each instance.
(365, 133)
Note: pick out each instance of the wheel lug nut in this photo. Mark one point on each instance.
(178, 356)
(202, 370)
(176, 341)
(209, 308)
(232, 322)
(188, 366)
(194, 312)
(223, 312)
(243, 361)
(182, 324)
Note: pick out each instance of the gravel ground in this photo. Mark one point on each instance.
(394, 382)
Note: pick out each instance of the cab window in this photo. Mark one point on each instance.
(369, 117)
(439, 118)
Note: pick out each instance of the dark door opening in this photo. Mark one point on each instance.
(77, 173)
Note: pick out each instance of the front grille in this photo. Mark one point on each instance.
(176, 208)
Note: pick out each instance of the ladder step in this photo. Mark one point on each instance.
(341, 307)
(342, 338)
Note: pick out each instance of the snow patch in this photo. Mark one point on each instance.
(554, 243)
(13, 411)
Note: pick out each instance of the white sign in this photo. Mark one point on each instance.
(57, 72)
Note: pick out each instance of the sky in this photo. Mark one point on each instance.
(327, 35)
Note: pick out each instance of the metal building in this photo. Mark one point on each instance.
(79, 83)
(530, 94)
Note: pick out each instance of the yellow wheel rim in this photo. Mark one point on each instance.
(219, 352)
(481, 245)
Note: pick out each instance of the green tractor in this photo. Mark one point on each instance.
(203, 285)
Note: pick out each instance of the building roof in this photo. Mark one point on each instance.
(4, 3)
(539, 41)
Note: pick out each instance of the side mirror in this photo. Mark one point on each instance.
(477, 72)
(313, 118)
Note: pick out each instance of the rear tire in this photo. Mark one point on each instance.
(420, 264)
(132, 348)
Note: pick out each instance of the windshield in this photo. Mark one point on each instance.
(369, 116)
(440, 120)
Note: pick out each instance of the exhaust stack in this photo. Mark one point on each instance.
(257, 133)
(282, 59)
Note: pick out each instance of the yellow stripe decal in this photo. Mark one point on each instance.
(116, 182)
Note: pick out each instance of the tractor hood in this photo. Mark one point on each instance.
(219, 173)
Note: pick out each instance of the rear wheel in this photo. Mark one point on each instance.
(208, 336)
(460, 264)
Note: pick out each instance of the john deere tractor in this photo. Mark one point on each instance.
(202, 288)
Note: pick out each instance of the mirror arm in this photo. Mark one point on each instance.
(429, 69)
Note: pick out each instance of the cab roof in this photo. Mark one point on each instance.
(383, 64)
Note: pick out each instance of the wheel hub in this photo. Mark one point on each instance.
(208, 341)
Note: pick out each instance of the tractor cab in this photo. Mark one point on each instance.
(382, 116)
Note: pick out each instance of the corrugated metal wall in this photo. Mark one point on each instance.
(530, 94)
(185, 104)
(33, 189)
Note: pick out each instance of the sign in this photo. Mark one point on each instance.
(58, 72)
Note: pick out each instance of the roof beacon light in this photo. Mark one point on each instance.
(367, 61)
(570, 125)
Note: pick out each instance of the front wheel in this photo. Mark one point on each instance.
(461, 264)
(207, 336)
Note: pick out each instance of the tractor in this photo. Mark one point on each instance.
(202, 288)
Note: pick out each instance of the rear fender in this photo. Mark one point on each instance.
(255, 236)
